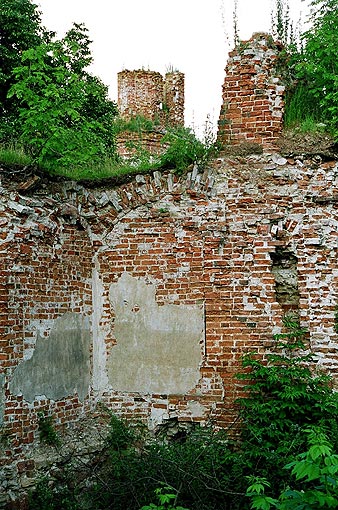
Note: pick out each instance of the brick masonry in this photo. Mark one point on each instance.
(237, 244)
(207, 239)
(150, 95)
(253, 94)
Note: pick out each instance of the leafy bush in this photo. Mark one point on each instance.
(314, 68)
(316, 472)
(183, 148)
(65, 115)
(284, 397)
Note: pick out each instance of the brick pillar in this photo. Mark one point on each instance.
(140, 93)
(253, 95)
(173, 107)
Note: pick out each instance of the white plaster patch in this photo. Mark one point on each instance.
(158, 347)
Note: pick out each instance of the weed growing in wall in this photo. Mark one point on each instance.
(47, 431)
(184, 149)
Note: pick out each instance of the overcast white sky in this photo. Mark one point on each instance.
(191, 35)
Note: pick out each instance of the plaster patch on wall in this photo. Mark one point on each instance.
(60, 365)
(158, 347)
(2, 398)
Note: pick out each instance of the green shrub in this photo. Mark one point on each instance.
(284, 396)
(47, 431)
(183, 148)
(316, 474)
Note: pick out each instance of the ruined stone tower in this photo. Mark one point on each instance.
(148, 94)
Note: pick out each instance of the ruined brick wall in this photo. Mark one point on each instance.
(161, 284)
(148, 94)
(253, 94)
(140, 92)
(174, 98)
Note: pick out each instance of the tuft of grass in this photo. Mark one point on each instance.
(137, 124)
(107, 168)
(14, 156)
(301, 109)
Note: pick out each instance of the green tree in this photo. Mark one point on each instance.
(20, 30)
(65, 114)
(316, 66)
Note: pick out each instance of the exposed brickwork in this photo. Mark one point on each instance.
(216, 239)
(174, 98)
(148, 94)
(252, 109)
(140, 92)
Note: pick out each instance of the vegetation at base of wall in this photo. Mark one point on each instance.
(315, 483)
(286, 448)
(286, 396)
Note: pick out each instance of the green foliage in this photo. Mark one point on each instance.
(315, 69)
(47, 431)
(47, 497)
(195, 468)
(166, 497)
(20, 30)
(301, 111)
(14, 156)
(184, 149)
(65, 115)
(137, 124)
(281, 25)
(284, 397)
(316, 474)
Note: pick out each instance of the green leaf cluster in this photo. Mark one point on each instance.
(315, 471)
(167, 500)
(315, 68)
(65, 114)
(20, 30)
(183, 148)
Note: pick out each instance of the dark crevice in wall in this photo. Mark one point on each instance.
(284, 268)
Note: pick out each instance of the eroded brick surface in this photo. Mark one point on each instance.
(213, 242)
(150, 95)
(253, 94)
